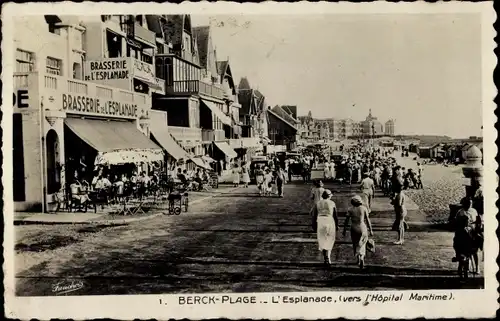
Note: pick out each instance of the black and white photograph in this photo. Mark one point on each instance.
(252, 159)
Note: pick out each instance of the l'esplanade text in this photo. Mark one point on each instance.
(84, 104)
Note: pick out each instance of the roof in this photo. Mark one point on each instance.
(202, 34)
(280, 110)
(259, 100)
(245, 98)
(222, 67)
(173, 29)
(281, 118)
(244, 84)
(154, 24)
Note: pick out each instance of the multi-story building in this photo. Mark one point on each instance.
(253, 119)
(197, 104)
(282, 127)
(371, 126)
(65, 120)
(389, 127)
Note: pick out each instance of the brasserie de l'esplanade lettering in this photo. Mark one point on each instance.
(95, 105)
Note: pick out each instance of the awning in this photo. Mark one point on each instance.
(217, 112)
(200, 163)
(226, 149)
(208, 159)
(117, 142)
(165, 139)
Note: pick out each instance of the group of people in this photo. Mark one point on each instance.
(111, 185)
(196, 180)
(325, 222)
(269, 181)
(371, 166)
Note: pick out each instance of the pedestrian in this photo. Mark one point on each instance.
(356, 217)
(245, 176)
(280, 180)
(326, 171)
(400, 225)
(236, 175)
(327, 222)
(259, 178)
(368, 190)
(316, 193)
(268, 182)
(467, 232)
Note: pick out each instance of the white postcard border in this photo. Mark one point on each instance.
(465, 303)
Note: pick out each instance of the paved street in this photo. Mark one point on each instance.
(240, 242)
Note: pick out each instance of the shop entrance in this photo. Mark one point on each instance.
(53, 167)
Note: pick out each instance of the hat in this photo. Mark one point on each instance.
(357, 200)
(326, 194)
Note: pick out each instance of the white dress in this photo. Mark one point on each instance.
(326, 225)
(245, 176)
(236, 176)
(327, 172)
(316, 193)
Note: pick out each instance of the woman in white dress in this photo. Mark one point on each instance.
(236, 176)
(326, 172)
(268, 181)
(245, 176)
(327, 225)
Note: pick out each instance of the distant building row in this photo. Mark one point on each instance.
(312, 129)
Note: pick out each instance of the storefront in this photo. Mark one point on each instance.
(66, 128)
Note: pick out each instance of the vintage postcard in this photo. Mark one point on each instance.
(266, 161)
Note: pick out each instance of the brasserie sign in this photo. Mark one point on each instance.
(96, 106)
(107, 70)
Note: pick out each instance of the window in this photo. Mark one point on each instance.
(54, 66)
(25, 61)
(114, 42)
(147, 58)
(77, 71)
(160, 48)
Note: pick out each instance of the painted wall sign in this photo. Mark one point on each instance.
(144, 71)
(20, 98)
(108, 69)
(96, 106)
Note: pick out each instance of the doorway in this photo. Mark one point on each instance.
(53, 167)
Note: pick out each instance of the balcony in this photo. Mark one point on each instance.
(194, 87)
(80, 97)
(212, 135)
(187, 136)
(138, 32)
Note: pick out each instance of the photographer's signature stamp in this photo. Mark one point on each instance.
(65, 287)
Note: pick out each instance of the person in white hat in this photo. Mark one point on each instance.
(358, 215)
(327, 223)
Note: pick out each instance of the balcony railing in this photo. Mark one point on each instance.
(192, 87)
(212, 135)
(184, 134)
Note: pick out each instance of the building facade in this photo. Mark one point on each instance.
(65, 122)
(389, 127)
(312, 129)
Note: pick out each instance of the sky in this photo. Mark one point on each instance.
(423, 70)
